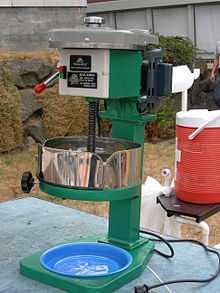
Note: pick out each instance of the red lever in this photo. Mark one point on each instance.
(62, 69)
(39, 88)
(43, 85)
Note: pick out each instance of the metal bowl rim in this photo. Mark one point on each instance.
(135, 145)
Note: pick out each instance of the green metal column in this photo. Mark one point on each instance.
(124, 216)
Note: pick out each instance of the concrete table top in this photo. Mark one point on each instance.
(29, 225)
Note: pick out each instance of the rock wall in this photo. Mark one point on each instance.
(18, 103)
(20, 109)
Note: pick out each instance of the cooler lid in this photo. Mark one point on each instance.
(196, 118)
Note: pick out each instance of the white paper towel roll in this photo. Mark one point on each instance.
(183, 79)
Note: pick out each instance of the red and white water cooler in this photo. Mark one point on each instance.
(197, 178)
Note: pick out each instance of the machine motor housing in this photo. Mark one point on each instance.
(101, 73)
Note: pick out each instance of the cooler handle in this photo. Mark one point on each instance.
(202, 127)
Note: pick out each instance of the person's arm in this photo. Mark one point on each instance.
(214, 68)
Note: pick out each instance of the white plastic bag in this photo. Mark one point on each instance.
(153, 216)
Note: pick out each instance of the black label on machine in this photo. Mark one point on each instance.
(86, 80)
(80, 63)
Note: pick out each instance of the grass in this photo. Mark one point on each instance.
(156, 157)
(11, 167)
(50, 56)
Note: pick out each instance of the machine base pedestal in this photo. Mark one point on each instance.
(31, 268)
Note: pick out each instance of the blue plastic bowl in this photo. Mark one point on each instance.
(86, 259)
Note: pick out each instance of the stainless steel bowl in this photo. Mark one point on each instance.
(64, 161)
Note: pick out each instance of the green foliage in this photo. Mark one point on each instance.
(178, 50)
(167, 118)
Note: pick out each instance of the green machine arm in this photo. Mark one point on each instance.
(124, 215)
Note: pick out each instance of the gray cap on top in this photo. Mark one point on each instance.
(94, 35)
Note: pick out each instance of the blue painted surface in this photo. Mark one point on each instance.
(28, 225)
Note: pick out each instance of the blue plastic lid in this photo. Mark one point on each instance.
(86, 259)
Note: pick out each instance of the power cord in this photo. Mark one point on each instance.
(159, 279)
(145, 288)
(161, 239)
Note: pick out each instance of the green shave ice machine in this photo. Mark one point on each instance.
(119, 68)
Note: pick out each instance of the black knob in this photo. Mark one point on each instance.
(27, 182)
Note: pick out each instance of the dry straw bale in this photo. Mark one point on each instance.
(66, 115)
(11, 132)
(63, 115)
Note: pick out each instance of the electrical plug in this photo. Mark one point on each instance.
(141, 289)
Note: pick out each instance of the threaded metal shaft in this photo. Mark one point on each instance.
(91, 146)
